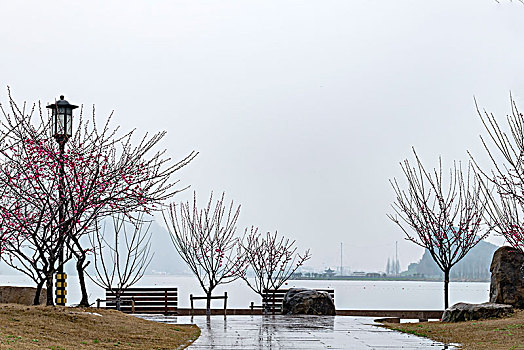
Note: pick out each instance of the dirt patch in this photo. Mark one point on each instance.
(58, 328)
(503, 333)
(20, 295)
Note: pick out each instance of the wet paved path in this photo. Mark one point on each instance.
(296, 332)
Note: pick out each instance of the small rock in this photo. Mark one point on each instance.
(302, 301)
(466, 312)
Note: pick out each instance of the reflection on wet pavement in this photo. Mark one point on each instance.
(296, 332)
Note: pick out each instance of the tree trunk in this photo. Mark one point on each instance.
(81, 279)
(49, 286)
(446, 289)
(208, 303)
(118, 301)
(36, 300)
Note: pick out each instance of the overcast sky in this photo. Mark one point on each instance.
(301, 110)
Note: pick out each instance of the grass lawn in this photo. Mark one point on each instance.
(57, 328)
(502, 333)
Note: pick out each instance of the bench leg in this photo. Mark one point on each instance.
(165, 302)
(191, 298)
(225, 303)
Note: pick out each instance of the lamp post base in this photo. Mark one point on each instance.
(60, 289)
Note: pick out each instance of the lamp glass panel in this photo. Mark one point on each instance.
(53, 124)
(60, 127)
(69, 125)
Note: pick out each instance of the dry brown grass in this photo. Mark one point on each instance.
(41, 327)
(503, 333)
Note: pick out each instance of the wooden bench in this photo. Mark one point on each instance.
(275, 297)
(144, 300)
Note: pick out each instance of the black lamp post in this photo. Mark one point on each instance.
(61, 130)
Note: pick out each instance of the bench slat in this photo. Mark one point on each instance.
(146, 303)
(139, 300)
(149, 289)
(144, 297)
(143, 294)
(146, 300)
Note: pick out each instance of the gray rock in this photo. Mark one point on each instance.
(20, 295)
(466, 312)
(507, 277)
(301, 301)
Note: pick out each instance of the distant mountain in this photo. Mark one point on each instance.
(166, 259)
(474, 266)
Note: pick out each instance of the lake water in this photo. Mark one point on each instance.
(412, 295)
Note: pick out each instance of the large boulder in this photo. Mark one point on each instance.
(302, 301)
(507, 277)
(20, 295)
(466, 312)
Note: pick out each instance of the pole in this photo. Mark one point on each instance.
(60, 275)
(396, 258)
(341, 273)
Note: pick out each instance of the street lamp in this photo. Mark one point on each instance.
(61, 130)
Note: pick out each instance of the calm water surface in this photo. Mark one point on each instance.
(348, 294)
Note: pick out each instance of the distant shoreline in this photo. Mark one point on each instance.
(387, 278)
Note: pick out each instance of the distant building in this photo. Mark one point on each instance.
(329, 273)
(373, 274)
(358, 273)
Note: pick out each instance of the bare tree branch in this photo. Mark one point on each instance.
(506, 203)
(205, 239)
(121, 260)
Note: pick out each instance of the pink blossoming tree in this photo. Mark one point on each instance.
(444, 218)
(105, 174)
(272, 259)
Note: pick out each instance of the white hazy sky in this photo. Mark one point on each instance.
(301, 110)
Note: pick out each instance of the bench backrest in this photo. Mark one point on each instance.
(154, 300)
(276, 296)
